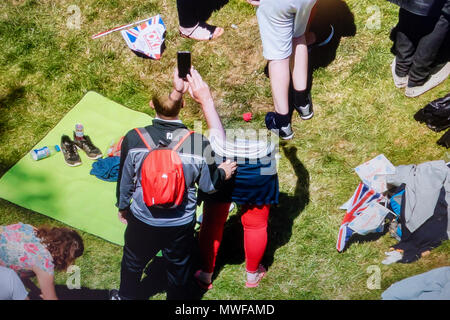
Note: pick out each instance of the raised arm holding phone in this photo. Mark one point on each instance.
(254, 188)
(164, 220)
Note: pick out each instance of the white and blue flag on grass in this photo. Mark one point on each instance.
(355, 206)
(147, 38)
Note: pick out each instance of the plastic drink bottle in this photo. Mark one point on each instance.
(45, 152)
(110, 149)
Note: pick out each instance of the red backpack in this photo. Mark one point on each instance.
(162, 176)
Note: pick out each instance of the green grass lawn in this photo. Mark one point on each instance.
(46, 68)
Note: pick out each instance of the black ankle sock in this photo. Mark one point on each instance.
(301, 98)
(282, 120)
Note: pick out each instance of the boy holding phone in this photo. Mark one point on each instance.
(171, 230)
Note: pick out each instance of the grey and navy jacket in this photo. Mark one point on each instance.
(429, 8)
(199, 170)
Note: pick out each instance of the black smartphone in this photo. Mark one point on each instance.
(184, 63)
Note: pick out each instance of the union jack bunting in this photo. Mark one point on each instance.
(357, 204)
(146, 38)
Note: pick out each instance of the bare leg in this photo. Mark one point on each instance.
(299, 63)
(279, 82)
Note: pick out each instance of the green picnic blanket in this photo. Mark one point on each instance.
(70, 194)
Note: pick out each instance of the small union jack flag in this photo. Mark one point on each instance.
(146, 38)
(356, 205)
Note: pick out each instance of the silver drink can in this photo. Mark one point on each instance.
(79, 131)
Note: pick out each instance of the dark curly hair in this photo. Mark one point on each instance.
(64, 244)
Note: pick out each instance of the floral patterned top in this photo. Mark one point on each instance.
(21, 249)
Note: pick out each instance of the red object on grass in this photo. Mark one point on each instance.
(247, 116)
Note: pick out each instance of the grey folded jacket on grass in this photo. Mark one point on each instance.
(423, 185)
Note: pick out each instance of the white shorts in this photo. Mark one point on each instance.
(279, 21)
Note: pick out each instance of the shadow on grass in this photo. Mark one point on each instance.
(83, 293)
(289, 208)
(64, 293)
(6, 164)
(32, 190)
(335, 13)
(281, 219)
(14, 96)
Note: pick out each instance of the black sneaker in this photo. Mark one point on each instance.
(87, 146)
(114, 295)
(285, 133)
(70, 152)
(306, 112)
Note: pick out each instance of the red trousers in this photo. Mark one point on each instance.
(254, 220)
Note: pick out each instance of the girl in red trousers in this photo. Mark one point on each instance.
(254, 188)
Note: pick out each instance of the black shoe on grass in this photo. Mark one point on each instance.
(87, 146)
(114, 295)
(306, 112)
(70, 152)
(284, 133)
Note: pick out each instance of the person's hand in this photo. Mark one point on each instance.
(254, 2)
(198, 89)
(180, 85)
(122, 214)
(229, 168)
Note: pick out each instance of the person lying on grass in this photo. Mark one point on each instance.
(254, 188)
(32, 251)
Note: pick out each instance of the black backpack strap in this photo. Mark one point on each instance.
(179, 136)
(146, 138)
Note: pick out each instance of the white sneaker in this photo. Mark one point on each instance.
(253, 278)
(400, 82)
(434, 80)
(392, 257)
